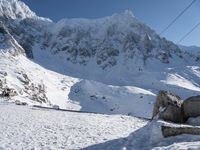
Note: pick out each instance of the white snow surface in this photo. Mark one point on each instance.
(30, 128)
(25, 127)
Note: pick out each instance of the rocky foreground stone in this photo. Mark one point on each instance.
(170, 107)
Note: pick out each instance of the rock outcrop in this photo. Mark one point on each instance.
(37, 92)
(191, 107)
(168, 131)
(168, 107)
(9, 92)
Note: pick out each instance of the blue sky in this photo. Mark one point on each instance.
(155, 13)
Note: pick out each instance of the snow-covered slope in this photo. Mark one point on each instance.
(32, 128)
(113, 65)
(193, 49)
(68, 92)
(40, 129)
(150, 137)
(37, 85)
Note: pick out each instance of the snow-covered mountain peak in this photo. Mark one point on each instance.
(15, 9)
(120, 40)
(129, 12)
(125, 17)
(109, 41)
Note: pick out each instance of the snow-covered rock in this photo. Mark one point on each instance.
(16, 9)
(7, 42)
(110, 41)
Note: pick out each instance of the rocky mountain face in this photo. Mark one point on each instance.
(8, 43)
(22, 23)
(107, 42)
(15, 9)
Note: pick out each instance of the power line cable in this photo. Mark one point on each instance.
(187, 34)
(173, 21)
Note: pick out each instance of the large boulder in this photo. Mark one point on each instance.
(173, 114)
(9, 92)
(191, 107)
(168, 106)
(168, 131)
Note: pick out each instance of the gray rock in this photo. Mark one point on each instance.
(20, 103)
(168, 106)
(9, 92)
(168, 131)
(173, 114)
(55, 107)
(191, 107)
